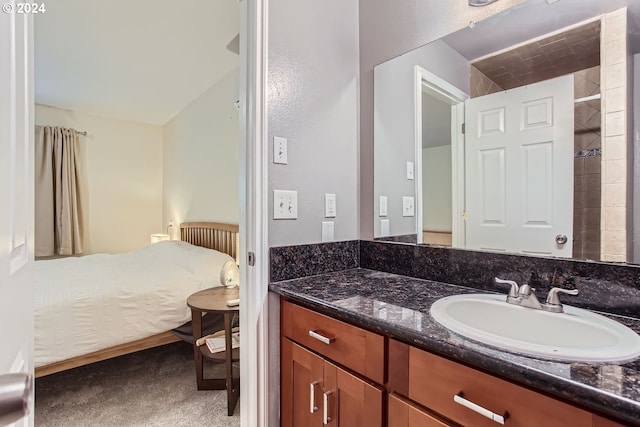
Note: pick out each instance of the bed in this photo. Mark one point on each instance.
(100, 306)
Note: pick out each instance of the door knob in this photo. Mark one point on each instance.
(561, 239)
(15, 396)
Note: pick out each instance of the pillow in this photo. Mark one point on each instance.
(205, 264)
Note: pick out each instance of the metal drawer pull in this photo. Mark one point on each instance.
(312, 397)
(326, 419)
(321, 338)
(458, 398)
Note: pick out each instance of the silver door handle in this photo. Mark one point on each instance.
(326, 419)
(561, 239)
(459, 398)
(15, 397)
(321, 338)
(312, 397)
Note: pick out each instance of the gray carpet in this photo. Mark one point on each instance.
(155, 387)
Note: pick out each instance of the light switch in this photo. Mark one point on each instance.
(383, 206)
(408, 208)
(327, 231)
(279, 150)
(330, 205)
(285, 204)
(384, 227)
(409, 170)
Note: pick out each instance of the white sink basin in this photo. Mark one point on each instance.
(575, 335)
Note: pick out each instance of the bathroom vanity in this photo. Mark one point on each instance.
(359, 347)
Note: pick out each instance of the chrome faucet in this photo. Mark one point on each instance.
(524, 296)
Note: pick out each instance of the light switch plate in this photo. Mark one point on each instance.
(383, 206)
(408, 206)
(384, 227)
(285, 204)
(329, 205)
(327, 231)
(409, 170)
(279, 150)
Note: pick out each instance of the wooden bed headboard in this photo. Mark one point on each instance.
(212, 235)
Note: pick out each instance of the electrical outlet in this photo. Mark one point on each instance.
(279, 150)
(383, 206)
(384, 227)
(408, 206)
(327, 231)
(329, 205)
(285, 204)
(409, 170)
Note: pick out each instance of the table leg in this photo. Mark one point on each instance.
(233, 387)
(196, 325)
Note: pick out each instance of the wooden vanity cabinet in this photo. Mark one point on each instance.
(433, 382)
(329, 365)
(315, 390)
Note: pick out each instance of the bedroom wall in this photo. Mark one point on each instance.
(124, 172)
(200, 159)
(313, 102)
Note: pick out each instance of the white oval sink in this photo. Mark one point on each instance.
(575, 335)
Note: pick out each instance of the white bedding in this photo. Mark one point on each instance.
(97, 301)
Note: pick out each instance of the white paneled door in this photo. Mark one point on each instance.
(519, 163)
(16, 192)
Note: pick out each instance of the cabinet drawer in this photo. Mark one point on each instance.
(433, 381)
(353, 347)
(404, 414)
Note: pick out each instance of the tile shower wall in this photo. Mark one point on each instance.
(615, 157)
(587, 166)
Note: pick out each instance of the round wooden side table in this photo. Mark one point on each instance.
(214, 300)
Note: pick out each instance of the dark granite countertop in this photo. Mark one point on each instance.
(398, 306)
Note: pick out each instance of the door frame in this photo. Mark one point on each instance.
(455, 97)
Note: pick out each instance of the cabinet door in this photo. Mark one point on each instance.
(403, 414)
(302, 382)
(350, 401)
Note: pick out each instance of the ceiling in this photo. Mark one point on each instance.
(532, 18)
(546, 58)
(142, 60)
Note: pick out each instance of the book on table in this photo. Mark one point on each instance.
(217, 344)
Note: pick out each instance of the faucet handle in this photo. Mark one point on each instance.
(552, 297)
(513, 292)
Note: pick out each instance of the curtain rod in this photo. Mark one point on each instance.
(84, 132)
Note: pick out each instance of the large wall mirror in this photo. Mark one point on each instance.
(516, 134)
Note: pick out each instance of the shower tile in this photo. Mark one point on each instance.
(616, 172)
(616, 99)
(616, 218)
(614, 196)
(615, 123)
(615, 147)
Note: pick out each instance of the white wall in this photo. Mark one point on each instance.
(395, 123)
(200, 171)
(313, 102)
(124, 172)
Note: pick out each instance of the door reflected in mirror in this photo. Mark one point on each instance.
(543, 166)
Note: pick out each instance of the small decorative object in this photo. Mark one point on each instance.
(230, 275)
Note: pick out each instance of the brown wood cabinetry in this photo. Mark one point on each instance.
(472, 398)
(333, 374)
(317, 392)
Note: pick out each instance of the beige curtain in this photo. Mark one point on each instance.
(60, 192)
